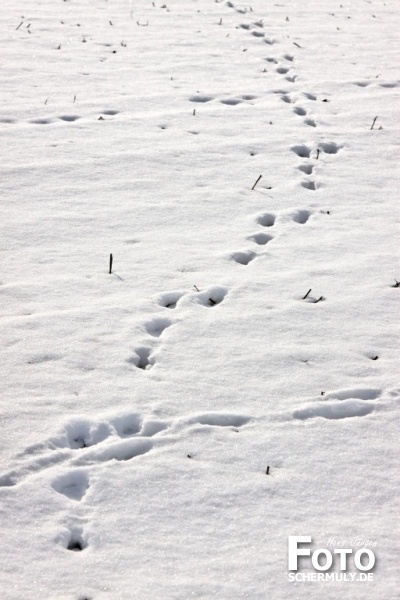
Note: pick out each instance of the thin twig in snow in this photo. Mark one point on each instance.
(256, 182)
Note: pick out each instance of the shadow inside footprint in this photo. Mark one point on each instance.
(329, 147)
(221, 420)
(42, 358)
(170, 299)
(76, 543)
(72, 539)
(335, 410)
(157, 326)
(261, 238)
(243, 258)
(129, 425)
(309, 185)
(8, 480)
(201, 98)
(266, 220)
(231, 101)
(142, 358)
(69, 118)
(152, 427)
(357, 394)
(302, 150)
(40, 121)
(301, 216)
(307, 169)
(121, 451)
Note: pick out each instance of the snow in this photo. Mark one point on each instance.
(234, 381)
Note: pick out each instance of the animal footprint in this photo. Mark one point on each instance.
(171, 299)
(329, 147)
(243, 258)
(73, 485)
(231, 101)
(300, 111)
(266, 220)
(335, 410)
(240, 10)
(307, 169)
(121, 451)
(37, 359)
(133, 424)
(73, 539)
(220, 420)
(142, 359)
(301, 216)
(341, 405)
(261, 238)
(9, 479)
(41, 121)
(82, 433)
(69, 118)
(82, 442)
(389, 84)
(157, 326)
(302, 150)
(362, 83)
(201, 98)
(355, 393)
(309, 185)
(212, 296)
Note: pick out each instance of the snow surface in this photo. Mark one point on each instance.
(141, 409)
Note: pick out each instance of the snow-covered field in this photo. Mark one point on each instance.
(235, 380)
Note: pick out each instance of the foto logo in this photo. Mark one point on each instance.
(322, 559)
